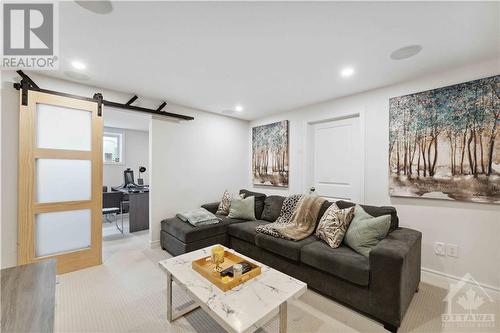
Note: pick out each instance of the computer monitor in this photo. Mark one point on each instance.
(128, 176)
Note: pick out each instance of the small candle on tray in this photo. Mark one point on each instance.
(217, 257)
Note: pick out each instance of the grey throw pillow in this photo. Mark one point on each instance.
(272, 208)
(366, 231)
(333, 225)
(243, 209)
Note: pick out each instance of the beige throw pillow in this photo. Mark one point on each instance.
(225, 204)
(334, 224)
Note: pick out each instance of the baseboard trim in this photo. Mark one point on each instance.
(154, 244)
(443, 280)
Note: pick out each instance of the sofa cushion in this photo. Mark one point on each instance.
(188, 233)
(375, 211)
(259, 201)
(211, 207)
(272, 207)
(343, 262)
(245, 230)
(283, 247)
(176, 247)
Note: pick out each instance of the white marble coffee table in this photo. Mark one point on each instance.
(242, 309)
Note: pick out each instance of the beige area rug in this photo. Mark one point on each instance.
(127, 294)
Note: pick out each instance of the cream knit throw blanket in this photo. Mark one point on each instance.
(303, 219)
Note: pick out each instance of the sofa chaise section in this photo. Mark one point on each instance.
(178, 237)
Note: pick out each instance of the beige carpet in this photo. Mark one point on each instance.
(127, 294)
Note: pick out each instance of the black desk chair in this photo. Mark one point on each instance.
(111, 206)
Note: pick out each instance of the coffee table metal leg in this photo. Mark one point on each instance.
(188, 307)
(169, 297)
(283, 319)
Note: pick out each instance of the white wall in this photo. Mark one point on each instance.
(8, 210)
(192, 161)
(136, 154)
(196, 161)
(474, 227)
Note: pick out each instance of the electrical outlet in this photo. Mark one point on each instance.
(439, 249)
(452, 250)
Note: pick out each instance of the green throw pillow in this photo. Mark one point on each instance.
(365, 231)
(242, 209)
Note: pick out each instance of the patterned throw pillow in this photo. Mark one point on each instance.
(334, 224)
(225, 204)
(284, 218)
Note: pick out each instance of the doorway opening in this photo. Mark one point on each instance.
(126, 168)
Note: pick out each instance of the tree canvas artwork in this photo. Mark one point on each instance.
(443, 143)
(270, 154)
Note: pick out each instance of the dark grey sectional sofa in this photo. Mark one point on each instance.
(380, 286)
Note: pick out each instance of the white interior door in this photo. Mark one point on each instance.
(337, 163)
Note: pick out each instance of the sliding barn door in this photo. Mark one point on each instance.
(60, 182)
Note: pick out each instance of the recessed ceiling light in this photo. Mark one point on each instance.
(238, 108)
(98, 7)
(78, 65)
(346, 72)
(406, 52)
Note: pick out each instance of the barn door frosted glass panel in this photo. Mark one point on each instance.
(63, 128)
(59, 180)
(59, 232)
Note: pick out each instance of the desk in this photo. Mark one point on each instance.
(28, 297)
(138, 210)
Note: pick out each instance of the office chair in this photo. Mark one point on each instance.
(111, 206)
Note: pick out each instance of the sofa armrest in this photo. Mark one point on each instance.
(395, 274)
(211, 207)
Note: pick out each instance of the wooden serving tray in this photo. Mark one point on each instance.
(205, 267)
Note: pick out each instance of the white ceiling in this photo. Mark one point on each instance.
(269, 57)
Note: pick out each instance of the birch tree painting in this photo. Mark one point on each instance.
(270, 154)
(443, 143)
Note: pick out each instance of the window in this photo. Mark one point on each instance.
(113, 148)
